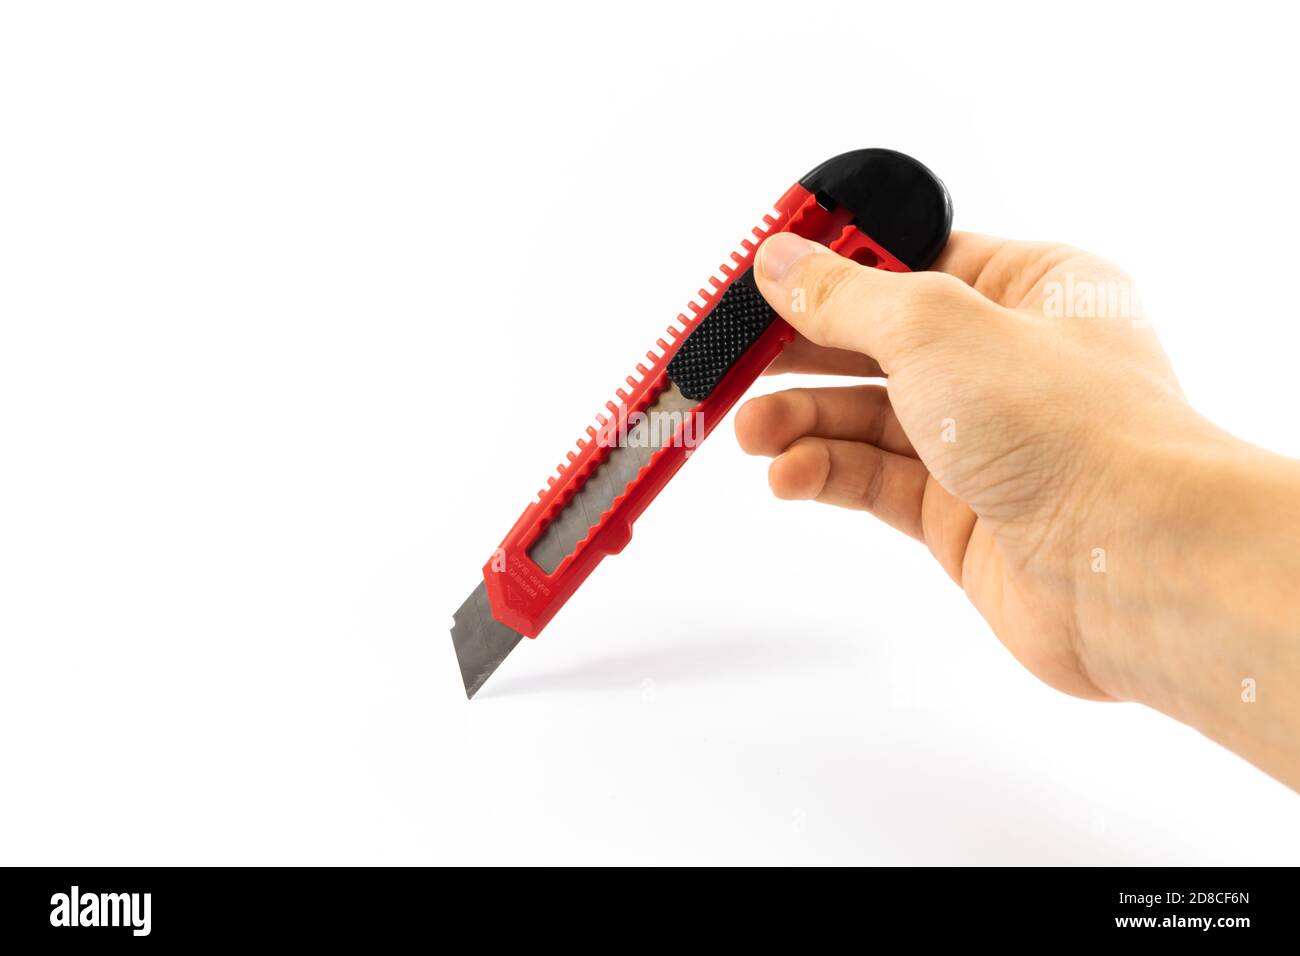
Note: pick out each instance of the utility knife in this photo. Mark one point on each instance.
(877, 207)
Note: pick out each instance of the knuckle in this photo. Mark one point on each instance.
(925, 315)
(936, 293)
(873, 483)
(941, 285)
(879, 410)
(800, 406)
(829, 285)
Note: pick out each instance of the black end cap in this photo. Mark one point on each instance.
(894, 199)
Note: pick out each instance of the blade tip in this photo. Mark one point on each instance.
(481, 643)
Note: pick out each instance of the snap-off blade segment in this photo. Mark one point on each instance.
(481, 642)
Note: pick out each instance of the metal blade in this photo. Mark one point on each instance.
(481, 643)
(596, 496)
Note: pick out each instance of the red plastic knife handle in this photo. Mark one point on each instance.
(523, 596)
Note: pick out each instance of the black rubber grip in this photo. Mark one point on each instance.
(708, 353)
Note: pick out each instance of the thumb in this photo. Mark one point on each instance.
(835, 302)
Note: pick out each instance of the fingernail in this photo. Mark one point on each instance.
(780, 252)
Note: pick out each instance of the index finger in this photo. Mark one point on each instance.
(804, 357)
(968, 254)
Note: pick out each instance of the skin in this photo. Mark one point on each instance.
(1121, 546)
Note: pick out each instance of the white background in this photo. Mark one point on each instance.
(300, 304)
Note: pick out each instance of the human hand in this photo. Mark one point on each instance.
(1028, 445)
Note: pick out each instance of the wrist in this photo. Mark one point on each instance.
(1199, 610)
